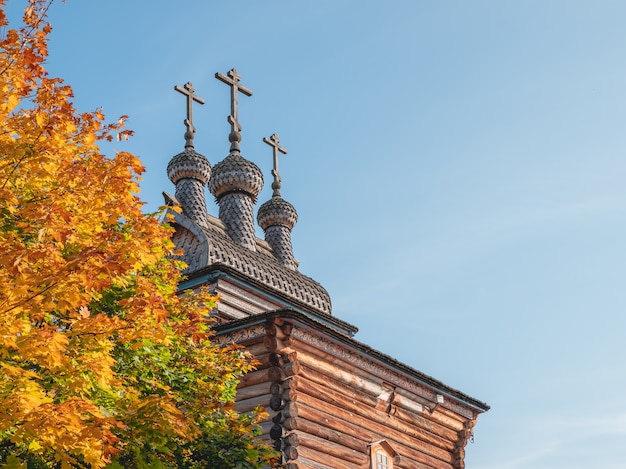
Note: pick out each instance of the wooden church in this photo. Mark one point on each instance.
(334, 402)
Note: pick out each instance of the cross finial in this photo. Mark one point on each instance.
(273, 141)
(188, 91)
(232, 80)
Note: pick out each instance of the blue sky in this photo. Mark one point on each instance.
(458, 168)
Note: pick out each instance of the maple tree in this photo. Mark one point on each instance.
(102, 364)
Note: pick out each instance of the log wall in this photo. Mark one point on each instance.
(325, 410)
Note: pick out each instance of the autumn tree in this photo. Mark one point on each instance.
(101, 363)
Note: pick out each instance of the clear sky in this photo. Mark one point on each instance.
(459, 169)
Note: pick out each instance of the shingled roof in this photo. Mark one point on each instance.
(212, 248)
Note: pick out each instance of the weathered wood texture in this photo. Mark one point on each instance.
(325, 411)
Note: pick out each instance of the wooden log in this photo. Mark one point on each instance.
(266, 427)
(262, 360)
(276, 359)
(270, 343)
(281, 332)
(292, 439)
(440, 414)
(275, 344)
(291, 368)
(289, 411)
(314, 368)
(304, 463)
(369, 386)
(335, 385)
(302, 425)
(276, 389)
(275, 374)
(281, 373)
(326, 447)
(248, 392)
(339, 363)
(321, 460)
(277, 403)
(334, 397)
(248, 405)
(411, 458)
(279, 359)
(444, 438)
(434, 433)
(410, 404)
(290, 452)
(254, 377)
(405, 463)
(276, 431)
(257, 349)
(454, 419)
(366, 429)
(437, 418)
(410, 437)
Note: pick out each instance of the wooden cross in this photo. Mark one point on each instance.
(273, 141)
(232, 80)
(188, 90)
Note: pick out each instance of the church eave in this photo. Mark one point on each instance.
(216, 270)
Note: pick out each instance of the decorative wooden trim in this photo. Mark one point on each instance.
(238, 336)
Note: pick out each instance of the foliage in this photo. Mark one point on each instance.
(101, 363)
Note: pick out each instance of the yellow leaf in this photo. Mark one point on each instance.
(41, 119)
(34, 446)
(12, 102)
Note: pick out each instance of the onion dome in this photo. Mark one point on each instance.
(235, 183)
(189, 164)
(277, 211)
(235, 174)
(277, 217)
(190, 171)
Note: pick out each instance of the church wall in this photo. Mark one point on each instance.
(326, 408)
(353, 424)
